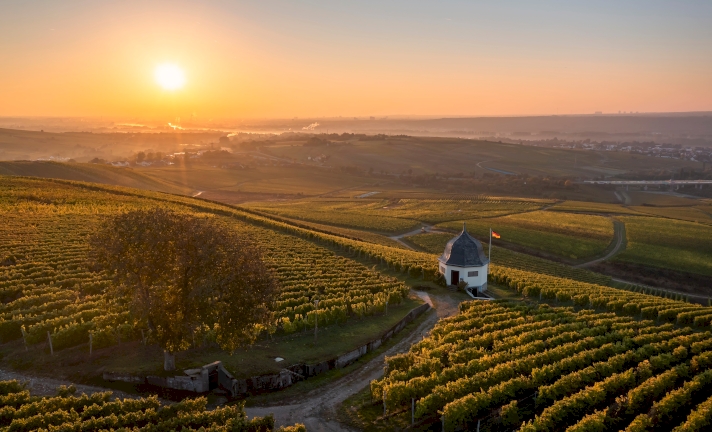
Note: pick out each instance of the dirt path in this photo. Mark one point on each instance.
(619, 228)
(317, 409)
(43, 386)
(428, 229)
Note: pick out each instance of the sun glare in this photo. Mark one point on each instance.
(170, 76)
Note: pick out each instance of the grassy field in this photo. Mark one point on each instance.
(677, 245)
(572, 236)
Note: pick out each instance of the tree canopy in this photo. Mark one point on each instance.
(182, 273)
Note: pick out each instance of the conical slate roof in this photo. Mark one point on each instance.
(464, 251)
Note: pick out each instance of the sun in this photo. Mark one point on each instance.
(169, 76)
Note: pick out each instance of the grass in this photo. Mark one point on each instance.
(571, 236)
(677, 245)
(317, 381)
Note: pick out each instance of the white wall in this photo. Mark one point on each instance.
(472, 281)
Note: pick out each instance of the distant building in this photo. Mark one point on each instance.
(464, 260)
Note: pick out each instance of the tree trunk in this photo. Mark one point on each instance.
(169, 361)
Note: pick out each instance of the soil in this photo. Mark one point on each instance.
(684, 283)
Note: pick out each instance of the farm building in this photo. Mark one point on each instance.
(464, 260)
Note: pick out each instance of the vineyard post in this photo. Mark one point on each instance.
(478, 425)
(442, 419)
(24, 337)
(143, 338)
(384, 403)
(49, 338)
(412, 411)
(316, 319)
(386, 307)
(91, 343)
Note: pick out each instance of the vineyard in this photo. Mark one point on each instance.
(47, 291)
(568, 235)
(19, 411)
(396, 215)
(501, 257)
(673, 244)
(511, 364)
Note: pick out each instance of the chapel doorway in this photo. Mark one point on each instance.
(454, 277)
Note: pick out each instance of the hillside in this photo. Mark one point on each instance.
(93, 173)
(559, 322)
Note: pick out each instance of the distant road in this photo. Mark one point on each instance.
(619, 228)
(479, 165)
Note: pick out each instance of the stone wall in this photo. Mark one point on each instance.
(214, 375)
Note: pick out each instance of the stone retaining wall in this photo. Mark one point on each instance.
(214, 375)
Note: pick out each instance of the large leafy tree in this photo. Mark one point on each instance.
(180, 272)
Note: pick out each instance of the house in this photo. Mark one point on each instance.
(464, 260)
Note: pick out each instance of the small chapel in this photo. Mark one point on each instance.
(464, 259)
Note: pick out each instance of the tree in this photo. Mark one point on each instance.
(140, 157)
(179, 273)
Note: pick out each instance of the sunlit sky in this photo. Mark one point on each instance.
(256, 59)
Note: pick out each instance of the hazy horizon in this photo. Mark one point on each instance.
(259, 60)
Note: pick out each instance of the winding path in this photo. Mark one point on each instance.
(428, 229)
(317, 409)
(619, 230)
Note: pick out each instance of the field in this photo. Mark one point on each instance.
(498, 364)
(573, 236)
(95, 173)
(45, 285)
(396, 215)
(660, 199)
(431, 155)
(673, 244)
(592, 207)
(692, 214)
(435, 244)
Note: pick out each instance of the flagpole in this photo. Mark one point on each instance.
(489, 254)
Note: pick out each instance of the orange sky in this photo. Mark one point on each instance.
(285, 59)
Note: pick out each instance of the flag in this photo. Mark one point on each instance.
(495, 235)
